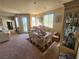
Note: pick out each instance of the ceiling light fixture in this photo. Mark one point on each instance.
(35, 2)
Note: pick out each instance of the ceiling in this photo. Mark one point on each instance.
(30, 6)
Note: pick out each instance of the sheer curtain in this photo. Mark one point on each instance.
(17, 22)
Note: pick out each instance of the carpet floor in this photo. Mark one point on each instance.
(19, 48)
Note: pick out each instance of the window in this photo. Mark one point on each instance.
(33, 22)
(25, 24)
(38, 21)
(48, 20)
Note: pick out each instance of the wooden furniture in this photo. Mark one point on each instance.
(71, 27)
(56, 37)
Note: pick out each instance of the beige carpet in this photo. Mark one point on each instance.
(19, 48)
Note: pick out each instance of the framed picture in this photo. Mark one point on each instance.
(0, 21)
(58, 18)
